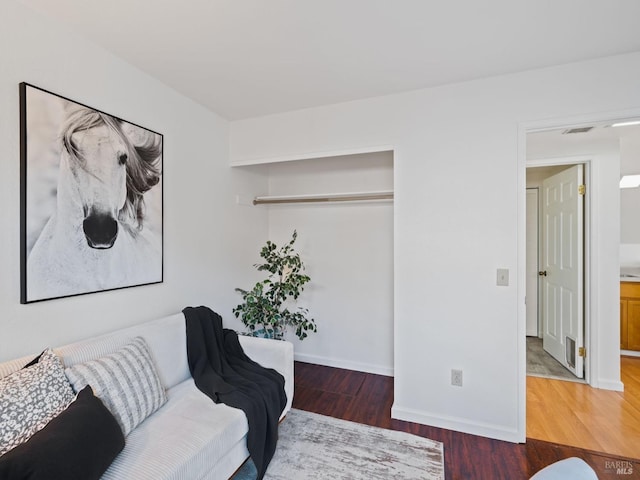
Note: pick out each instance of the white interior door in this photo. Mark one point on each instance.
(562, 267)
(532, 262)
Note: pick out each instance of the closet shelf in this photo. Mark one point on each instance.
(325, 198)
(318, 155)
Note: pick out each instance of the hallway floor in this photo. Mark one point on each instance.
(541, 364)
(577, 414)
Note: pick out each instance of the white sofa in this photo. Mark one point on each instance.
(190, 437)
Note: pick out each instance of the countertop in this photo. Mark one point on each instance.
(630, 274)
(630, 279)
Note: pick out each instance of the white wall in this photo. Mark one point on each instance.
(348, 251)
(536, 175)
(459, 215)
(206, 236)
(630, 202)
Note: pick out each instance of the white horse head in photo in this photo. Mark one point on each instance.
(95, 240)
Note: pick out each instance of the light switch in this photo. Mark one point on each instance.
(503, 277)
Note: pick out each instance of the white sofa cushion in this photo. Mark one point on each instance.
(166, 338)
(186, 438)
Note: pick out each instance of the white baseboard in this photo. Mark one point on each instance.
(615, 385)
(346, 364)
(457, 424)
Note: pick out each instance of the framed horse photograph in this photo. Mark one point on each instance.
(91, 199)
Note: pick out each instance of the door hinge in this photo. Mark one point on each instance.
(582, 189)
(582, 352)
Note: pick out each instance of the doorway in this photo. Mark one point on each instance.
(592, 141)
(555, 266)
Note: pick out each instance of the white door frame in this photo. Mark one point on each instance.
(529, 302)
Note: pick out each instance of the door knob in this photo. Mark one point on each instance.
(543, 273)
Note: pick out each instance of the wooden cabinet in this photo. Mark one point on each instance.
(630, 316)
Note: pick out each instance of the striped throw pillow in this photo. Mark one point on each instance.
(126, 381)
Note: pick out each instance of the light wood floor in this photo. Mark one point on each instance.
(576, 414)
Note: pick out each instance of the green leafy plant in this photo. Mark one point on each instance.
(265, 308)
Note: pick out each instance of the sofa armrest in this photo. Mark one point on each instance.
(572, 467)
(276, 354)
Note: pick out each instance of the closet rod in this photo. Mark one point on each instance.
(353, 197)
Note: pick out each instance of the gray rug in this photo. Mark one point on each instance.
(315, 447)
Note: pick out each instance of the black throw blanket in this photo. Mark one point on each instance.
(223, 372)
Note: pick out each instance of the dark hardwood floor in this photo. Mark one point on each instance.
(367, 398)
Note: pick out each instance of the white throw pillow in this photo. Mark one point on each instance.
(30, 398)
(126, 381)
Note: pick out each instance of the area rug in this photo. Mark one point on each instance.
(316, 447)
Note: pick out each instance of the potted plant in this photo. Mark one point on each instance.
(265, 308)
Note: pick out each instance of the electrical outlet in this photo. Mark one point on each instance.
(456, 378)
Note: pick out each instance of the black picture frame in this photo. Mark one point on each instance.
(91, 199)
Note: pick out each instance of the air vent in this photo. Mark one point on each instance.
(577, 130)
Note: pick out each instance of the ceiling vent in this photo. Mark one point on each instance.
(577, 130)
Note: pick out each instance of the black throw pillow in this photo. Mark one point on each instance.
(34, 361)
(80, 443)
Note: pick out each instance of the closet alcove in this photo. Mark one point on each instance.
(342, 208)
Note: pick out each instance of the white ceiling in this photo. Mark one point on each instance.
(245, 58)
